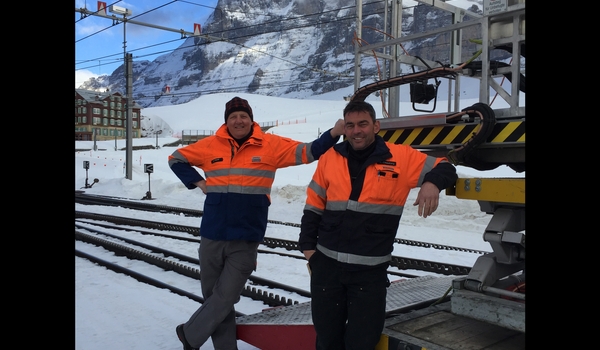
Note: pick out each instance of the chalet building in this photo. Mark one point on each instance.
(105, 114)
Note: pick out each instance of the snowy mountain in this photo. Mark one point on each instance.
(283, 48)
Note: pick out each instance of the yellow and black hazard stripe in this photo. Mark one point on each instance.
(502, 133)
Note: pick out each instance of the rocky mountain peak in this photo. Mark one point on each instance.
(285, 48)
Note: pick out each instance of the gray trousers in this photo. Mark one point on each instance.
(224, 269)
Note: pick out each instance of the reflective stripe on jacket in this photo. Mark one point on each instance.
(239, 179)
(357, 224)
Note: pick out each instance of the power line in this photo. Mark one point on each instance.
(214, 35)
(84, 17)
(292, 24)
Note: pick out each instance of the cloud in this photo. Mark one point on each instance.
(82, 76)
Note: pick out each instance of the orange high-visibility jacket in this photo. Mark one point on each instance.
(239, 178)
(357, 223)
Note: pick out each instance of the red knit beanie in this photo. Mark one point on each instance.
(237, 104)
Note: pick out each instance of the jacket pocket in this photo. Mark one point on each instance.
(386, 184)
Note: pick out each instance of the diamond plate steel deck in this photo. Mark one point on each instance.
(400, 294)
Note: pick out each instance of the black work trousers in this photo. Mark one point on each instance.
(348, 307)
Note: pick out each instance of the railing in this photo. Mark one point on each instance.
(191, 136)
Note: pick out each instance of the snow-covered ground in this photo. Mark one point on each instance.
(113, 311)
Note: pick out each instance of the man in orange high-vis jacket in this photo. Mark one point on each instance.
(353, 208)
(239, 162)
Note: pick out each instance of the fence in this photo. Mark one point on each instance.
(289, 122)
(191, 136)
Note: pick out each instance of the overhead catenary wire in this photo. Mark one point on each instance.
(116, 20)
(232, 40)
(337, 74)
(317, 21)
(265, 24)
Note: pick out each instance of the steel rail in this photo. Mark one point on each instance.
(401, 263)
(169, 265)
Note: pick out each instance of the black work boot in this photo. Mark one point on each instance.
(181, 336)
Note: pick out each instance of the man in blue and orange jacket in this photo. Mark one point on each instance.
(352, 213)
(239, 162)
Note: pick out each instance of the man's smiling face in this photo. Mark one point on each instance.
(360, 129)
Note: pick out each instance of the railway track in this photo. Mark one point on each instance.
(83, 198)
(113, 233)
(258, 289)
(402, 263)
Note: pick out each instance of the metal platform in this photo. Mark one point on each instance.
(292, 325)
(437, 328)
